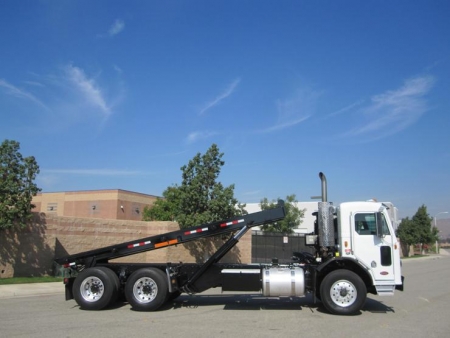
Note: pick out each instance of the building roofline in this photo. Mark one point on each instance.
(96, 191)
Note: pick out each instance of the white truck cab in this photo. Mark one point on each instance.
(366, 234)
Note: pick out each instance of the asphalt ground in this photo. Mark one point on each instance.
(419, 311)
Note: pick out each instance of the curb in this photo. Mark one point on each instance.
(422, 258)
(31, 289)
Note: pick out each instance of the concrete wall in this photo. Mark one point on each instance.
(30, 251)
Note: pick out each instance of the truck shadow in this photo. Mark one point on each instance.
(241, 302)
(374, 306)
(260, 302)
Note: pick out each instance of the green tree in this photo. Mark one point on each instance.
(417, 230)
(292, 219)
(200, 198)
(17, 187)
(424, 229)
(164, 209)
(407, 232)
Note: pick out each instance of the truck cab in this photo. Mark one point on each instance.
(366, 234)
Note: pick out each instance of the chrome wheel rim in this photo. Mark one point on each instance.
(92, 289)
(145, 290)
(343, 293)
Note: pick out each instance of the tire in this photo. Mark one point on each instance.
(95, 288)
(116, 284)
(146, 289)
(343, 292)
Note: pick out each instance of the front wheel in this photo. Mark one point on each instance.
(343, 292)
(147, 289)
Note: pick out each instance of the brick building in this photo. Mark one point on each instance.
(105, 204)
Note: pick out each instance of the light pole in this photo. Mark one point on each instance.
(442, 212)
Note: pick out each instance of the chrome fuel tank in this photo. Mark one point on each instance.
(283, 281)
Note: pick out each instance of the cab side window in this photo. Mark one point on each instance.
(365, 224)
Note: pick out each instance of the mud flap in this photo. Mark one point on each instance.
(68, 283)
(402, 286)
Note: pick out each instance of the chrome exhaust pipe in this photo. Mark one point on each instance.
(324, 187)
(325, 217)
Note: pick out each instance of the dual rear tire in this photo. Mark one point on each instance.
(147, 289)
(96, 288)
(99, 287)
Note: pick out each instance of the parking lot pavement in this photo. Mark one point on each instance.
(31, 289)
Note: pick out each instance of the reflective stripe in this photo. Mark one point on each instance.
(135, 245)
(223, 225)
(196, 231)
(171, 242)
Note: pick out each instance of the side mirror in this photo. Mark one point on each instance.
(380, 223)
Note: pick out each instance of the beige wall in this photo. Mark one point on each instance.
(30, 251)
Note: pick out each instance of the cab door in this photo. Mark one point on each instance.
(375, 252)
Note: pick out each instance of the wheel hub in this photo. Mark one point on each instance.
(146, 289)
(343, 292)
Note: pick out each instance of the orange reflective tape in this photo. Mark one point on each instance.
(171, 242)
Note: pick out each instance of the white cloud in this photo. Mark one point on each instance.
(394, 110)
(117, 27)
(294, 110)
(345, 109)
(199, 135)
(21, 94)
(68, 97)
(34, 83)
(281, 126)
(227, 92)
(118, 69)
(89, 89)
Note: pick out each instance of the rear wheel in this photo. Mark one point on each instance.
(116, 285)
(343, 292)
(95, 288)
(146, 289)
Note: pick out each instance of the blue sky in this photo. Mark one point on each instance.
(121, 94)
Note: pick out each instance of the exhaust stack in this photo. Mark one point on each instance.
(324, 186)
(325, 217)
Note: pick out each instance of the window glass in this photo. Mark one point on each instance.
(385, 227)
(366, 224)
